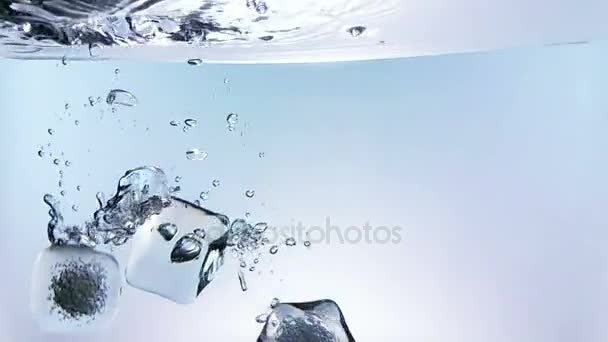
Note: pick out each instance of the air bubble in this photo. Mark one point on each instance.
(274, 249)
(306, 243)
(250, 193)
(56, 161)
(94, 50)
(232, 119)
(196, 154)
(242, 281)
(215, 183)
(290, 242)
(356, 31)
(200, 233)
(261, 8)
(51, 131)
(121, 97)
(190, 122)
(204, 195)
(195, 61)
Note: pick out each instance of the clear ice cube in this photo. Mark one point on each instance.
(74, 288)
(318, 321)
(178, 266)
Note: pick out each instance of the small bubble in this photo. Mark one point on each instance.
(121, 97)
(78, 187)
(260, 227)
(197, 202)
(185, 129)
(195, 61)
(196, 154)
(204, 195)
(116, 71)
(226, 80)
(215, 183)
(64, 60)
(76, 122)
(306, 243)
(91, 101)
(274, 303)
(290, 242)
(75, 207)
(190, 122)
(200, 233)
(62, 193)
(261, 8)
(252, 268)
(256, 260)
(250, 193)
(178, 179)
(261, 154)
(232, 119)
(40, 153)
(56, 161)
(243, 264)
(266, 38)
(67, 106)
(175, 189)
(60, 184)
(68, 163)
(173, 123)
(247, 214)
(242, 281)
(51, 131)
(356, 31)
(94, 49)
(274, 249)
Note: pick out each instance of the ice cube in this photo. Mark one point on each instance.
(318, 321)
(180, 267)
(74, 288)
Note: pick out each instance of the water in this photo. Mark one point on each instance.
(318, 321)
(474, 182)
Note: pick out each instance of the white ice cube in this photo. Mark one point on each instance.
(177, 253)
(74, 289)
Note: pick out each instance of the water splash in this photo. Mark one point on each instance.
(141, 192)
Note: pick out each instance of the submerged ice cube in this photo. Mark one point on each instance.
(74, 288)
(318, 321)
(178, 268)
